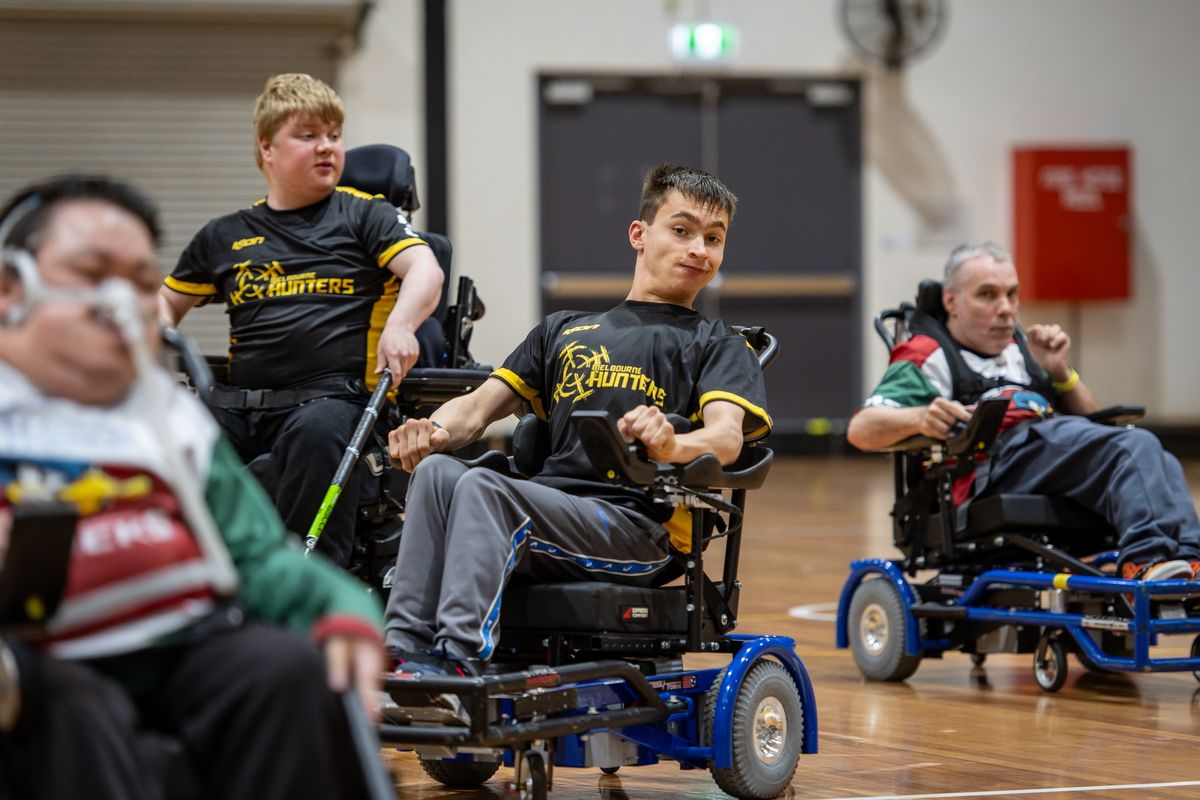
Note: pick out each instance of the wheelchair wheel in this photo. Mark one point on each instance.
(1196, 654)
(459, 774)
(610, 770)
(534, 784)
(767, 726)
(1050, 662)
(878, 629)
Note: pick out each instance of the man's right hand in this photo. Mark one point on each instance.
(414, 441)
(939, 417)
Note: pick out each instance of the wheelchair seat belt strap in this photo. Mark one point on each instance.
(231, 398)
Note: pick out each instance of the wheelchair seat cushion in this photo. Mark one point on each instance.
(594, 606)
(1028, 512)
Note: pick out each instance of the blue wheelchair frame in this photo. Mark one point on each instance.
(683, 715)
(988, 551)
(661, 714)
(1144, 628)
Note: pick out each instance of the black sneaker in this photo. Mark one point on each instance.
(441, 707)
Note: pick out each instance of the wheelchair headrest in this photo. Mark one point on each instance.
(383, 169)
(929, 299)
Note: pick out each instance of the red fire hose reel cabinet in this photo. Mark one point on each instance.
(1071, 222)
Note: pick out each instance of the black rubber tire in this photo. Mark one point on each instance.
(610, 770)
(535, 768)
(1196, 653)
(459, 774)
(1050, 662)
(978, 659)
(751, 777)
(878, 628)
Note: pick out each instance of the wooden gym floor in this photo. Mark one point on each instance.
(948, 731)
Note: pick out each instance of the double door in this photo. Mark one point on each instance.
(791, 151)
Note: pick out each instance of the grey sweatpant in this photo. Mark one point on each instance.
(1122, 474)
(467, 531)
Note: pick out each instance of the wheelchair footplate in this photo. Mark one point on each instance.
(608, 715)
(1110, 623)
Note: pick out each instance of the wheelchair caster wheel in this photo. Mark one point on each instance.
(610, 770)
(977, 659)
(767, 727)
(533, 784)
(1050, 662)
(878, 627)
(459, 774)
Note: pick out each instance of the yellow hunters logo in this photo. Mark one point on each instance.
(240, 243)
(584, 371)
(260, 281)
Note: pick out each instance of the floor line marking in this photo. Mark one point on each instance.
(1015, 792)
(818, 612)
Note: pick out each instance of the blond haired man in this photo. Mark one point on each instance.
(324, 286)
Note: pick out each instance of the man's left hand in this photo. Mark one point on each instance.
(398, 350)
(1049, 345)
(355, 661)
(650, 426)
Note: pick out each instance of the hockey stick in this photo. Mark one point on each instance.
(349, 459)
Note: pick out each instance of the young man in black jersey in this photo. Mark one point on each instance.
(325, 286)
(468, 531)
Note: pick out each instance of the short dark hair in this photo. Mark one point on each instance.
(692, 183)
(26, 213)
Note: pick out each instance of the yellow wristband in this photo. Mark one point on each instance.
(1070, 383)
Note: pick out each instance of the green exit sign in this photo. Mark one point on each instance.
(703, 41)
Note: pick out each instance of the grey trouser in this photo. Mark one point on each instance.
(467, 531)
(1122, 474)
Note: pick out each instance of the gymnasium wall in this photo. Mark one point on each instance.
(937, 143)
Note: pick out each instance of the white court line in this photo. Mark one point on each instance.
(818, 612)
(1015, 792)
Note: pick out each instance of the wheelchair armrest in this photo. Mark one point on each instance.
(748, 472)
(966, 437)
(436, 385)
(1117, 415)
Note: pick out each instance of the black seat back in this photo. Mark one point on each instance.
(929, 299)
(387, 170)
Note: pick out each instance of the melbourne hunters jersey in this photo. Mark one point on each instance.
(638, 353)
(307, 290)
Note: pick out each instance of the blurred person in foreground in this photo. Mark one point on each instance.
(185, 611)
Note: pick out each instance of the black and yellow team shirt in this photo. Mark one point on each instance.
(638, 353)
(307, 290)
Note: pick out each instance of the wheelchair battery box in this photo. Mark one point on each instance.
(594, 607)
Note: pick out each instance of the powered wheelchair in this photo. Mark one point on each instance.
(590, 674)
(445, 370)
(1001, 573)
